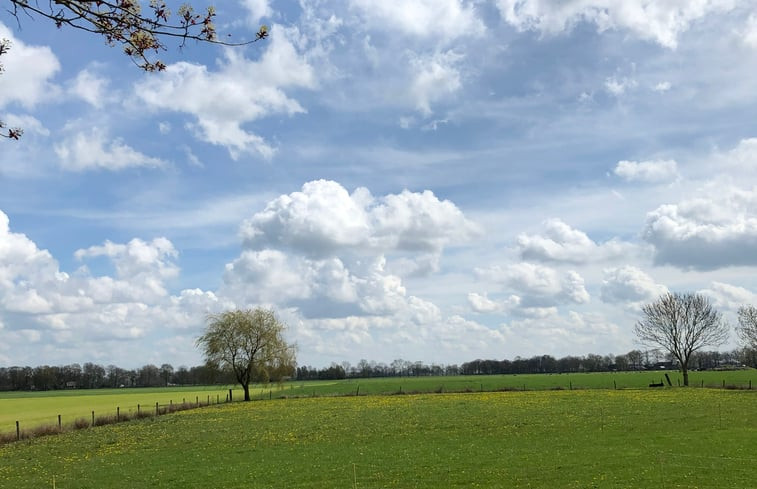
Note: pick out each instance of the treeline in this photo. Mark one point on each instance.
(93, 376)
(633, 360)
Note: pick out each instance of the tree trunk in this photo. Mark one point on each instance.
(685, 372)
(246, 388)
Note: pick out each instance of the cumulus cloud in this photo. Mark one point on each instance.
(660, 22)
(653, 171)
(743, 156)
(729, 297)
(583, 331)
(91, 88)
(718, 229)
(438, 19)
(58, 308)
(95, 150)
(536, 285)
(630, 286)
(137, 257)
(561, 243)
(28, 72)
(324, 218)
(336, 261)
(239, 92)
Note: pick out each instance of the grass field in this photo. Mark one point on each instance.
(665, 438)
(35, 408)
(32, 409)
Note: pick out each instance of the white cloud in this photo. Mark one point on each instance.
(586, 333)
(662, 86)
(439, 19)
(61, 310)
(482, 303)
(729, 297)
(537, 285)
(630, 286)
(653, 171)
(749, 34)
(239, 92)
(28, 72)
(715, 230)
(661, 22)
(29, 124)
(619, 86)
(434, 78)
(92, 150)
(137, 257)
(257, 10)
(91, 88)
(561, 243)
(743, 156)
(324, 218)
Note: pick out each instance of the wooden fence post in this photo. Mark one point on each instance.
(230, 396)
(157, 410)
(118, 414)
(93, 418)
(60, 425)
(18, 432)
(139, 410)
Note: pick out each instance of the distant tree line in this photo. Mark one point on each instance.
(94, 376)
(633, 360)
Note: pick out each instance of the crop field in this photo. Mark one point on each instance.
(36, 408)
(602, 438)
(32, 409)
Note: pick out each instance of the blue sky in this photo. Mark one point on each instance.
(430, 180)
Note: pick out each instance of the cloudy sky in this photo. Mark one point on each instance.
(436, 180)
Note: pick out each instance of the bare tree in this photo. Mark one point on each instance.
(747, 329)
(681, 324)
(140, 33)
(250, 343)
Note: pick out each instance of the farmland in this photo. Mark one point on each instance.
(588, 438)
(35, 408)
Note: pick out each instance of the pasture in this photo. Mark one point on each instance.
(32, 409)
(603, 438)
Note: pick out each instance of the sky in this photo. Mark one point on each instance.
(433, 180)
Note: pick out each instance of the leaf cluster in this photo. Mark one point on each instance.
(248, 342)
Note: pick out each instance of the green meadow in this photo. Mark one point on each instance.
(32, 409)
(600, 438)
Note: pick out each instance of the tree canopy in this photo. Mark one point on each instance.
(681, 324)
(249, 343)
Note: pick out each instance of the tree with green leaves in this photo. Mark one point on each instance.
(249, 343)
(141, 32)
(681, 324)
